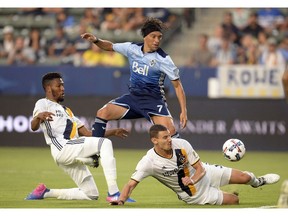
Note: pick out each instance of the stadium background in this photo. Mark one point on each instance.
(239, 100)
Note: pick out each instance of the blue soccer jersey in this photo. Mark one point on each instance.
(147, 70)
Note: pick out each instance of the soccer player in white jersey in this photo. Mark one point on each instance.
(283, 198)
(174, 163)
(72, 146)
(149, 66)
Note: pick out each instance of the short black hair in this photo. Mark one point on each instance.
(152, 24)
(49, 77)
(155, 129)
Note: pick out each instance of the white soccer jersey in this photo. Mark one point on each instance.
(170, 172)
(64, 125)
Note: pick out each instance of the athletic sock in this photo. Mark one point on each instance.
(67, 194)
(176, 135)
(254, 181)
(108, 164)
(99, 127)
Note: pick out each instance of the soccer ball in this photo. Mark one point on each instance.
(233, 149)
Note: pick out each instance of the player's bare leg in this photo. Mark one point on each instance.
(239, 177)
(167, 122)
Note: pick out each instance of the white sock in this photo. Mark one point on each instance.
(108, 164)
(254, 180)
(67, 194)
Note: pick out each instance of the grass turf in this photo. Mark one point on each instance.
(21, 169)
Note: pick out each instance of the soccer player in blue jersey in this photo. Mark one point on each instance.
(149, 65)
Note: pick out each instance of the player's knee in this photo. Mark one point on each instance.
(102, 113)
(244, 178)
(107, 142)
(106, 150)
(171, 129)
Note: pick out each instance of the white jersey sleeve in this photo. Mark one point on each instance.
(40, 106)
(144, 169)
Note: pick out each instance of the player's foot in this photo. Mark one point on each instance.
(38, 192)
(115, 197)
(283, 198)
(267, 179)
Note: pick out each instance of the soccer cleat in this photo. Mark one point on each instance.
(95, 160)
(267, 179)
(283, 198)
(115, 197)
(85, 161)
(92, 161)
(38, 192)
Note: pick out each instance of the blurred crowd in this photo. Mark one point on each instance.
(245, 36)
(63, 44)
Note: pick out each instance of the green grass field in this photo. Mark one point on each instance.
(21, 169)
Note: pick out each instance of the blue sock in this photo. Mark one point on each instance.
(176, 135)
(99, 127)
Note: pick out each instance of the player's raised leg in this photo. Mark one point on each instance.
(239, 177)
(106, 113)
(168, 122)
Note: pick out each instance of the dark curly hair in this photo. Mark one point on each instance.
(152, 24)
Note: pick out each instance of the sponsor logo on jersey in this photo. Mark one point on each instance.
(174, 171)
(140, 70)
(152, 62)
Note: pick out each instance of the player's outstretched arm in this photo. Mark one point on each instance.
(198, 175)
(182, 101)
(103, 44)
(126, 192)
(118, 132)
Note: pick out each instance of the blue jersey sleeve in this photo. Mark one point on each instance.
(169, 68)
(122, 48)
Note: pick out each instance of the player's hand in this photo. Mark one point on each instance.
(89, 37)
(183, 120)
(121, 132)
(186, 180)
(117, 202)
(45, 116)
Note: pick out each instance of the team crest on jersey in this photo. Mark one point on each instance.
(152, 62)
(182, 159)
